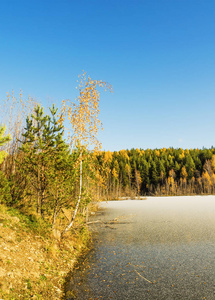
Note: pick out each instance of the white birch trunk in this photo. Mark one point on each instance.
(79, 198)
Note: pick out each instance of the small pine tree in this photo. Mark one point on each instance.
(42, 146)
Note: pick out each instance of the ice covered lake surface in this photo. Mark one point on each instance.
(159, 248)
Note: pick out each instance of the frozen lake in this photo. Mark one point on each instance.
(159, 248)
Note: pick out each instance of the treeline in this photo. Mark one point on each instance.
(135, 172)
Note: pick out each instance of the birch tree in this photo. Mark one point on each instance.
(83, 117)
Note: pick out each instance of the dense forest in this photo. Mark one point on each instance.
(156, 172)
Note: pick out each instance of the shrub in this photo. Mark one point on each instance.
(5, 195)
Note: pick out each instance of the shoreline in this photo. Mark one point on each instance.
(156, 196)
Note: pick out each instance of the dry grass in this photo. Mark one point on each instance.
(34, 266)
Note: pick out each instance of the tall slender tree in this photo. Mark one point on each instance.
(83, 117)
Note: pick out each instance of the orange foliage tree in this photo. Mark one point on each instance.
(83, 117)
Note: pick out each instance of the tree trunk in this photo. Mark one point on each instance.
(79, 198)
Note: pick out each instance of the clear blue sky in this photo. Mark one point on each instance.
(158, 55)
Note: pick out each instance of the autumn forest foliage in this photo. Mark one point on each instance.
(54, 174)
(158, 172)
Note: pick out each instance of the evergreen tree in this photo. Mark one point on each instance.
(177, 169)
(41, 146)
(154, 174)
(145, 176)
(161, 171)
(190, 166)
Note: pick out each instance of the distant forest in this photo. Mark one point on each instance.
(136, 172)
